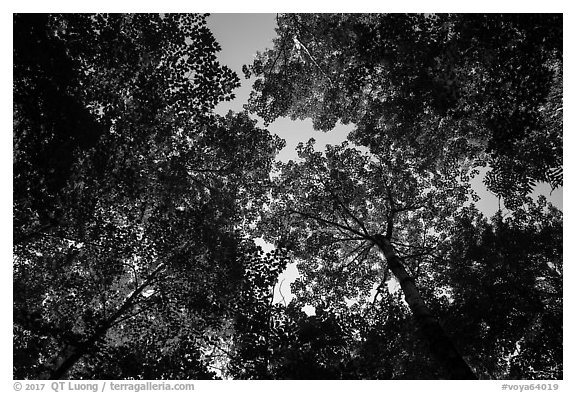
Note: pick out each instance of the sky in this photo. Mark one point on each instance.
(241, 36)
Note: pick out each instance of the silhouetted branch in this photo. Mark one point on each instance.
(328, 222)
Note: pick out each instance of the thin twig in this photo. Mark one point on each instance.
(280, 292)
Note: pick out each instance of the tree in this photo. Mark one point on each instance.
(130, 196)
(445, 94)
(135, 205)
(334, 343)
(485, 88)
(505, 283)
(249, 350)
(78, 79)
(332, 210)
(493, 291)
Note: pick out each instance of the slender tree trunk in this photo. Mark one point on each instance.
(68, 357)
(63, 362)
(70, 354)
(440, 344)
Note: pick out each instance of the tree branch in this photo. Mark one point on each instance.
(128, 302)
(70, 239)
(128, 316)
(280, 292)
(412, 246)
(32, 234)
(346, 210)
(297, 40)
(356, 258)
(378, 292)
(306, 49)
(408, 207)
(328, 222)
(356, 249)
(390, 220)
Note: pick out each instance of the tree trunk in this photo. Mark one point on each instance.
(440, 344)
(71, 354)
(63, 362)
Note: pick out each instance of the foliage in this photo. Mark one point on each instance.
(326, 208)
(131, 202)
(496, 287)
(432, 97)
(329, 210)
(249, 353)
(135, 205)
(339, 344)
(448, 86)
(505, 283)
(81, 81)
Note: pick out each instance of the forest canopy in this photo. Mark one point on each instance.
(138, 210)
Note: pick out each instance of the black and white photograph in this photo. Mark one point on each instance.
(287, 196)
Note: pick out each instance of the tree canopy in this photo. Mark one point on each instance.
(130, 204)
(138, 210)
(517, 260)
(448, 86)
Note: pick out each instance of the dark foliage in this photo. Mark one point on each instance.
(129, 195)
(505, 278)
(135, 206)
(449, 86)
